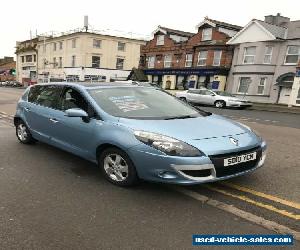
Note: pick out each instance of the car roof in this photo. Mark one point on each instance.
(89, 85)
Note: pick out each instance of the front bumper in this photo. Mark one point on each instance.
(181, 170)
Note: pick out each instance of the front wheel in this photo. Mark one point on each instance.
(23, 134)
(117, 167)
(220, 104)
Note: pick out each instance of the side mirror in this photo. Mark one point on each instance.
(75, 112)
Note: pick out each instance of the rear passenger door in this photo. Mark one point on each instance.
(41, 108)
(193, 95)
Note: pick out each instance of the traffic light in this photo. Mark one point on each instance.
(12, 72)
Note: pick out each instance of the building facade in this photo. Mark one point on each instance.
(295, 93)
(86, 56)
(26, 61)
(265, 58)
(7, 69)
(176, 59)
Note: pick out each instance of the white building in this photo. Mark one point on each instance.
(77, 56)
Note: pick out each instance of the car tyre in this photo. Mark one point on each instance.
(117, 167)
(182, 99)
(220, 104)
(23, 133)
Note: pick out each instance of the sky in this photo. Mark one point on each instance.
(142, 17)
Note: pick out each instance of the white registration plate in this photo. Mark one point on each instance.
(239, 159)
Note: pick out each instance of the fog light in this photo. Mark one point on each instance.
(167, 174)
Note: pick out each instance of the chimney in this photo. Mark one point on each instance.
(278, 20)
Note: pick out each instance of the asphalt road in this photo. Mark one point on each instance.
(51, 199)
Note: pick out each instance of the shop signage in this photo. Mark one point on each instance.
(199, 72)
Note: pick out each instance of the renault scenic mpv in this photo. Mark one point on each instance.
(135, 132)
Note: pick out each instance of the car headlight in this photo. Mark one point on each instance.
(168, 145)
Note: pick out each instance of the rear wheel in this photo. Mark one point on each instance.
(23, 134)
(220, 104)
(117, 167)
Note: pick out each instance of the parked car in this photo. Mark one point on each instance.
(219, 99)
(134, 132)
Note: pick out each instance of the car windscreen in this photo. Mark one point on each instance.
(142, 103)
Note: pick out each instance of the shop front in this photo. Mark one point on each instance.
(213, 78)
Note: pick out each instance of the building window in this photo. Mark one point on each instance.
(217, 57)
(160, 40)
(54, 62)
(29, 58)
(60, 45)
(202, 58)
(261, 86)
(73, 61)
(151, 61)
(95, 61)
(206, 34)
(73, 43)
(60, 62)
(188, 60)
(22, 58)
(244, 85)
(268, 55)
(121, 46)
(167, 61)
(292, 55)
(34, 58)
(120, 63)
(249, 55)
(54, 46)
(97, 43)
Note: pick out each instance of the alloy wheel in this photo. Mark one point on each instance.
(22, 132)
(116, 167)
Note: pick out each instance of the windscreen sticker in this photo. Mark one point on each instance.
(128, 103)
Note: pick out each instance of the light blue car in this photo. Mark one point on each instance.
(137, 132)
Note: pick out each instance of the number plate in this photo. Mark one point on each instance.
(239, 159)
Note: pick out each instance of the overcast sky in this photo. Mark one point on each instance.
(18, 17)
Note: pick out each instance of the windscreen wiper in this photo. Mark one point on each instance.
(180, 117)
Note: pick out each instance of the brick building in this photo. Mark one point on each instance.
(177, 59)
(7, 69)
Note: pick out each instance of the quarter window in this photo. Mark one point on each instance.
(249, 55)
(202, 58)
(261, 86)
(206, 34)
(244, 85)
(167, 61)
(217, 58)
(188, 60)
(268, 55)
(292, 55)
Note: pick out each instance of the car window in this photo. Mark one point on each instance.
(194, 91)
(71, 98)
(47, 96)
(205, 92)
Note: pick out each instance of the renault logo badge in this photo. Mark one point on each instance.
(234, 141)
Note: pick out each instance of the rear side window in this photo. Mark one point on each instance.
(47, 96)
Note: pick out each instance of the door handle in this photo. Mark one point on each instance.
(26, 109)
(53, 120)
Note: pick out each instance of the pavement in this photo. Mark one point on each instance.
(51, 199)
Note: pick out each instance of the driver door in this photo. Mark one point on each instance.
(73, 133)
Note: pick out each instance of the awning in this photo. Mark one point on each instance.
(286, 80)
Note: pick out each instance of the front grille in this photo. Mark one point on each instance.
(197, 173)
(221, 171)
